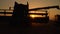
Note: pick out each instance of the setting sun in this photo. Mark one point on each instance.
(33, 16)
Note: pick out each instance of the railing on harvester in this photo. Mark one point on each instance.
(7, 13)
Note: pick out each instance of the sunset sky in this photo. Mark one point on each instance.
(5, 4)
(32, 3)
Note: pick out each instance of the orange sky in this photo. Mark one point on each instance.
(32, 3)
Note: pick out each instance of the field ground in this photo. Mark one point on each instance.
(35, 28)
